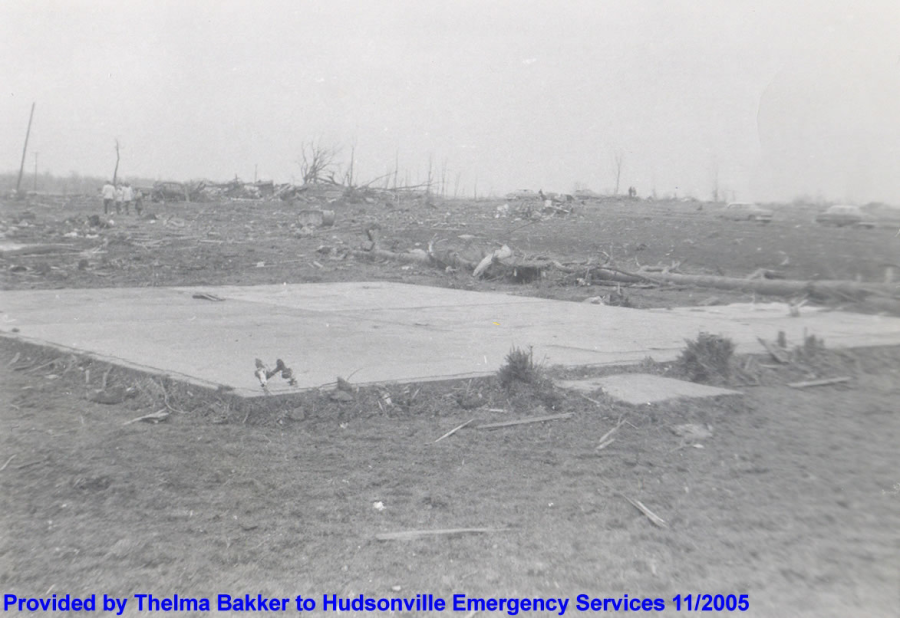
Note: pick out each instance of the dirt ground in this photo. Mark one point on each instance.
(793, 500)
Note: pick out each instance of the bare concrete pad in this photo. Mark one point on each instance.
(644, 388)
(382, 331)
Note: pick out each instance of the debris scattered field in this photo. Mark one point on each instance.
(784, 487)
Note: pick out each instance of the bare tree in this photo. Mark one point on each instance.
(316, 160)
(618, 161)
(430, 178)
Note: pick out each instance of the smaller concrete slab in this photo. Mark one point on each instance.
(643, 388)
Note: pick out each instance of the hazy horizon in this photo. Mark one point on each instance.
(773, 99)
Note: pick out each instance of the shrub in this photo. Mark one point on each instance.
(707, 358)
(519, 367)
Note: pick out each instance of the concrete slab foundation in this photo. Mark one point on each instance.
(384, 331)
(644, 388)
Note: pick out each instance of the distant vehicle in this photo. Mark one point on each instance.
(843, 214)
(746, 211)
(169, 192)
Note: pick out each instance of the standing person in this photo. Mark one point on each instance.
(109, 195)
(127, 197)
(120, 194)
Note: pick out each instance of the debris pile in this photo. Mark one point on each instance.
(264, 374)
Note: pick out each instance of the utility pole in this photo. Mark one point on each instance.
(25, 149)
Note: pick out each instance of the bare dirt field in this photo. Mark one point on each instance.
(794, 500)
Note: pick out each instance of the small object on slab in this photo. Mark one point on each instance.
(206, 296)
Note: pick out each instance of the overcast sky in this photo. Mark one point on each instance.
(775, 98)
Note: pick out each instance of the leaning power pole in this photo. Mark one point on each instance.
(25, 149)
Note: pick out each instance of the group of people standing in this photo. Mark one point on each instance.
(121, 195)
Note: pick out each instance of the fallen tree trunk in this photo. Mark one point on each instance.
(882, 295)
(850, 290)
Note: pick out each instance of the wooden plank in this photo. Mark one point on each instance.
(823, 382)
(655, 519)
(454, 430)
(524, 421)
(408, 535)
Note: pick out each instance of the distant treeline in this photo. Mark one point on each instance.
(73, 184)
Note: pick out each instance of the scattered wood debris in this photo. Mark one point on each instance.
(822, 382)
(655, 519)
(498, 255)
(453, 431)
(409, 535)
(113, 395)
(525, 421)
(30, 463)
(3, 467)
(607, 439)
(154, 417)
(779, 355)
(206, 296)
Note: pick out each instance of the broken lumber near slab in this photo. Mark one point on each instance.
(154, 417)
(525, 421)
(454, 430)
(409, 535)
(822, 382)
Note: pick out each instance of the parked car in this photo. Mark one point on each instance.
(169, 192)
(746, 211)
(844, 214)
